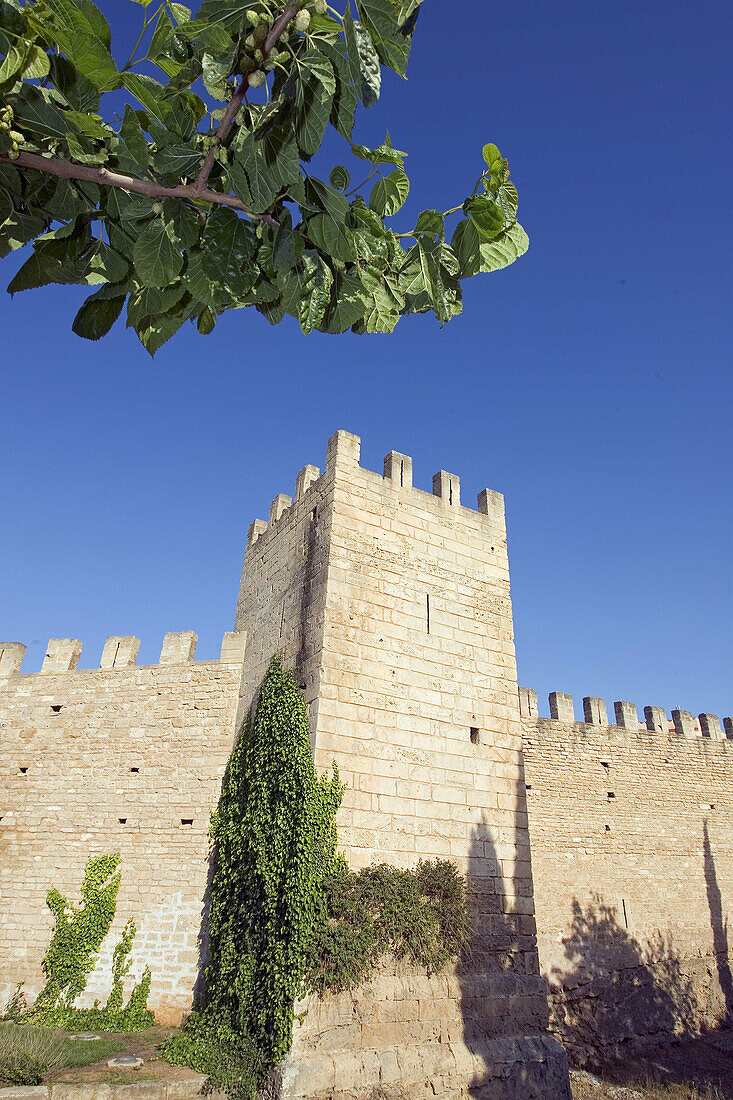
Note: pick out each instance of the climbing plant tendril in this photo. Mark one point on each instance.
(193, 193)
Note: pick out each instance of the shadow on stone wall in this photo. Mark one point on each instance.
(613, 991)
(618, 1002)
(503, 997)
(719, 925)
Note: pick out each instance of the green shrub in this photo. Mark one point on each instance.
(418, 915)
(28, 1053)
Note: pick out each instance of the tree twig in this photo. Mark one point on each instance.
(106, 177)
(239, 96)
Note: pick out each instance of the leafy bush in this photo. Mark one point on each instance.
(28, 1053)
(419, 915)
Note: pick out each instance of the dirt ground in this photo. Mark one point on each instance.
(143, 1045)
(689, 1069)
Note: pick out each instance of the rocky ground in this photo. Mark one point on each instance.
(692, 1069)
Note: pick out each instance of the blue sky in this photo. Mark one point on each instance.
(590, 383)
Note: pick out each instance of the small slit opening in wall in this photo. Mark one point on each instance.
(402, 474)
(427, 612)
(611, 794)
(122, 820)
(626, 915)
(134, 770)
(528, 786)
(23, 771)
(450, 492)
(56, 708)
(607, 828)
(314, 515)
(186, 821)
(475, 735)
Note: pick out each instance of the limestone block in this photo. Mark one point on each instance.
(561, 706)
(343, 450)
(306, 477)
(233, 646)
(626, 715)
(594, 711)
(178, 648)
(528, 703)
(447, 487)
(62, 655)
(710, 726)
(684, 723)
(491, 504)
(279, 506)
(256, 528)
(656, 719)
(120, 651)
(11, 657)
(398, 468)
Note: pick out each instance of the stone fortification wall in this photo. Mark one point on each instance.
(631, 828)
(122, 758)
(393, 605)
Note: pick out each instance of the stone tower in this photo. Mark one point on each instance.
(392, 604)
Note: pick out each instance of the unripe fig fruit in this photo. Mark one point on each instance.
(256, 79)
(303, 20)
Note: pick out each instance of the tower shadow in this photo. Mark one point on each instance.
(718, 925)
(503, 997)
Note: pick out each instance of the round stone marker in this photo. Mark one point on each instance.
(85, 1036)
(124, 1061)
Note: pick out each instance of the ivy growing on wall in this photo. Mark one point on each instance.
(73, 954)
(275, 841)
(287, 917)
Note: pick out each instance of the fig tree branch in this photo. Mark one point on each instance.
(106, 177)
(237, 99)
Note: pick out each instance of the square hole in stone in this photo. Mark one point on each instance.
(611, 794)
(56, 708)
(122, 820)
(475, 735)
(135, 770)
(186, 821)
(23, 771)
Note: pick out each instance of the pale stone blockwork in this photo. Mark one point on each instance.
(631, 834)
(126, 759)
(393, 606)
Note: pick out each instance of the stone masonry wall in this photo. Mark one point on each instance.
(631, 828)
(393, 605)
(124, 759)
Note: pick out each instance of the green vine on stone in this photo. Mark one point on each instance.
(73, 953)
(275, 841)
